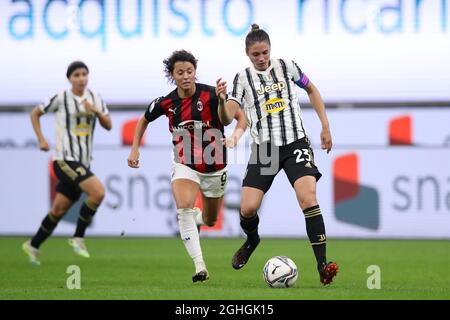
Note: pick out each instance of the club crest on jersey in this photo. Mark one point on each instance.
(274, 105)
(199, 106)
(279, 86)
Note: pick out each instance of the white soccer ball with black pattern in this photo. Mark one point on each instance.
(280, 272)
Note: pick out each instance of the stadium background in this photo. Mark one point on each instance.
(382, 68)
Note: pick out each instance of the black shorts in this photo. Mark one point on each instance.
(266, 160)
(70, 174)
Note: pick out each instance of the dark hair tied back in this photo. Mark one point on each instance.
(256, 35)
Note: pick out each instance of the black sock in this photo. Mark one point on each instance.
(250, 227)
(87, 212)
(47, 226)
(315, 228)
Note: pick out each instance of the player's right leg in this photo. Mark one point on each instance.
(261, 171)
(61, 205)
(251, 199)
(185, 188)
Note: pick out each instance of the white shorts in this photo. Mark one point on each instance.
(212, 185)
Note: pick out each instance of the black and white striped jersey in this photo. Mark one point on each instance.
(270, 101)
(74, 126)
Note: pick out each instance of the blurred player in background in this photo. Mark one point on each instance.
(266, 91)
(76, 112)
(199, 149)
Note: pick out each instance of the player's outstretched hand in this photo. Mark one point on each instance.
(43, 146)
(133, 159)
(221, 89)
(325, 137)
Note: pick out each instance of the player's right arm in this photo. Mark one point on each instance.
(228, 110)
(133, 158)
(153, 112)
(51, 105)
(238, 131)
(35, 116)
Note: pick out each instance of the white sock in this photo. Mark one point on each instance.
(198, 217)
(190, 237)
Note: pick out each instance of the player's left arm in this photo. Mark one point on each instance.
(103, 117)
(319, 106)
(301, 80)
(105, 120)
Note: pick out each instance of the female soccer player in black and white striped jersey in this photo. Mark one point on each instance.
(266, 91)
(76, 111)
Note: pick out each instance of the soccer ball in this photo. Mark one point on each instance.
(280, 272)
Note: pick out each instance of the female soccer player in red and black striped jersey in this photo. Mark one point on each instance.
(266, 91)
(76, 112)
(199, 149)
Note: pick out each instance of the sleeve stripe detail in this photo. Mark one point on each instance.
(235, 99)
(50, 103)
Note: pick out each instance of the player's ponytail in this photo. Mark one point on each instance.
(255, 27)
(256, 35)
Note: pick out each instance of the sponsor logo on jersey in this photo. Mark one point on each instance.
(279, 86)
(274, 105)
(84, 114)
(82, 130)
(191, 125)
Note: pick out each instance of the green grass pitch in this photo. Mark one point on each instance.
(154, 268)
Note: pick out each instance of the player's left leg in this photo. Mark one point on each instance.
(298, 163)
(212, 186)
(210, 212)
(95, 191)
(305, 189)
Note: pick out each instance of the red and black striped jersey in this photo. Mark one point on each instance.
(195, 127)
